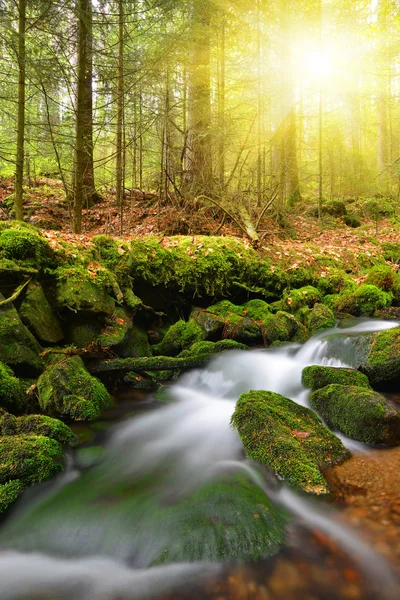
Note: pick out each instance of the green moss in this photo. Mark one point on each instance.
(319, 318)
(123, 337)
(383, 277)
(211, 324)
(360, 413)
(66, 388)
(11, 393)
(44, 426)
(23, 244)
(216, 347)
(296, 331)
(29, 458)
(378, 356)
(79, 291)
(317, 377)
(38, 315)
(9, 492)
(258, 310)
(107, 251)
(179, 336)
(148, 383)
(351, 221)
(288, 438)
(18, 347)
(293, 300)
(391, 251)
(363, 301)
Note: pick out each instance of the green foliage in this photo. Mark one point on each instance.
(383, 277)
(351, 221)
(391, 251)
(316, 377)
(288, 438)
(360, 413)
(66, 388)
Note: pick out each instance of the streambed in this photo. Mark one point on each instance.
(109, 526)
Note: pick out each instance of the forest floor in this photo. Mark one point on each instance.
(46, 207)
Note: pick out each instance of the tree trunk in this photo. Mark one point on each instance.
(199, 151)
(120, 109)
(19, 170)
(84, 190)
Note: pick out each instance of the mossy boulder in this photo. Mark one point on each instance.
(79, 291)
(382, 276)
(378, 357)
(41, 425)
(179, 336)
(296, 331)
(18, 347)
(211, 324)
(29, 458)
(365, 300)
(66, 388)
(214, 347)
(24, 244)
(288, 438)
(293, 300)
(258, 310)
(37, 314)
(317, 377)
(123, 337)
(9, 492)
(359, 413)
(319, 318)
(11, 392)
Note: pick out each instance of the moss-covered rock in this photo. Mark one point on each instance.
(319, 318)
(317, 377)
(18, 347)
(378, 356)
(211, 323)
(37, 314)
(23, 243)
(216, 347)
(179, 336)
(79, 291)
(293, 300)
(11, 393)
(297, 332)
(9, 492)
(383, 277)
(360, 413)
(29, 458)
(123, 337)
(288, 438)
(66, 388)
(365, 300)
(36, 425)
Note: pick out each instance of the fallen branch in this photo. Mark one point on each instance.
(142, 365)
(16, 293)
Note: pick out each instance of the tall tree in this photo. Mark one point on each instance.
(19, 168)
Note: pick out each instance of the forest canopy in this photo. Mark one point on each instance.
(241, 104)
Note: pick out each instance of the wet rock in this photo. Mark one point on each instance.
(66, 388)
(319, 318)
(36, 425)
(38, 315)
(288, 438)
(211, 324)
(29, 458)
(11, 393)
(316, 377)
(180, 336)
(359, 413)
(378, 356)
(123, 337)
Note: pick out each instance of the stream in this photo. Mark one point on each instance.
(127, 518)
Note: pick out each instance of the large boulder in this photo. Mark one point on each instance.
(78, 291)
(319, 318)
(288, 438)
(18, 347)
(123, 337)
(365, 300)
(378, 356)
(211, 324)
(180, 336)
(29, 458)
(359, 413)
(38, 315)
(36, 425)
(316, 377)
(66, 388)
(11, 393)
(295, 299)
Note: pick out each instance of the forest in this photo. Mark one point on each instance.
(199, 300)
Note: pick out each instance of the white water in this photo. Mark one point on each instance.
(190, 441)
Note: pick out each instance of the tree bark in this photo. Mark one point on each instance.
(120, 109)
(84, 189)
(19, 170)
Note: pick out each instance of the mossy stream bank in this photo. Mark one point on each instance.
(80, 320)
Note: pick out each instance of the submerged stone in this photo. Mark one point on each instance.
(66, 388)
(38, 315)
(316, 377)
(359, 413)
(18, 347)
(288, 438)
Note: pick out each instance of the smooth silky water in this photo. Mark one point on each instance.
(107, 530)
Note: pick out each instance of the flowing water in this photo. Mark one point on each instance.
(105, 528)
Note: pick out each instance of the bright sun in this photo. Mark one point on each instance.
(316, 65)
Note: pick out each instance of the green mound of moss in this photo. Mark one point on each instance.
(123, 337)
(22, 243)
(41, 425)
(360, 413)
(317, 377)
(365, 300)
(79, 290)
(179, 336)
(288, 438)
(29, 458)
(11, 393)
(319, 318)
(378, 356)
(66, 388)
(9, 492)
(293, 300)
